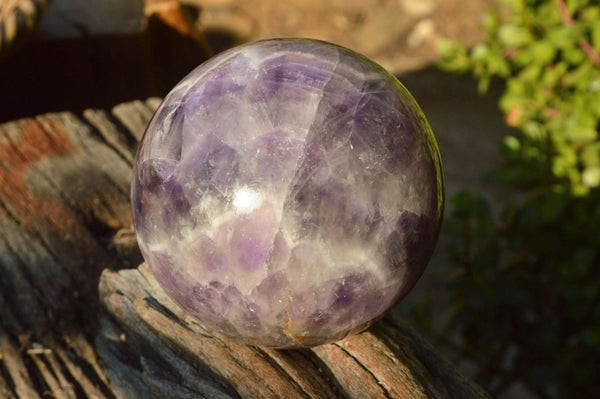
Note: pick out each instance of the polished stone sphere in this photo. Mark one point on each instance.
(287, 193)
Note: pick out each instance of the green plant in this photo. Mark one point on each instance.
(525, 280)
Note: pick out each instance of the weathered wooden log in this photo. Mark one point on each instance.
(64, 194)
(387, 361)
(65, 236)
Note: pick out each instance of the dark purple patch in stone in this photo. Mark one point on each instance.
(410, 245)
(160, 194)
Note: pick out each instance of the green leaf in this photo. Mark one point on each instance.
(553, 73)
(590, 155)
(581, 127)
(453, 55)
(513, 35)
(498, 65)
(574, 55)
(595, 36)
(543, 51)
(531, 73)
(591, 176)
(590, 14)
(524, 57)
(490, 21)
(565, 162)
(511, 145)
(480, 52)
(577, 75)
(449, 48)
(561, 36)
(535, 131)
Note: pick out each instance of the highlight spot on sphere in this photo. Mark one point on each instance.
(287, 193)
(246, 200)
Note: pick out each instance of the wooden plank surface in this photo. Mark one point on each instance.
(80, 319)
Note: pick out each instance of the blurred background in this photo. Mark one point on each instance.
(511, 296)
(98, 53)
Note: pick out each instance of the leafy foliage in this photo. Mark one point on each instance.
(525, 279)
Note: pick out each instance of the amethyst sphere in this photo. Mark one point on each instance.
(287, 193)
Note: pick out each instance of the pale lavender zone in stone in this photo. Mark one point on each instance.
(287, 192)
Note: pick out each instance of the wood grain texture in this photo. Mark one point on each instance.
(387, 361)
(64, 196)
(80, 319)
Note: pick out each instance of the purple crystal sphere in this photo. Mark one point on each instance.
(287, 193)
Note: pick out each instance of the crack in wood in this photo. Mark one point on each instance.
(384, 389)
